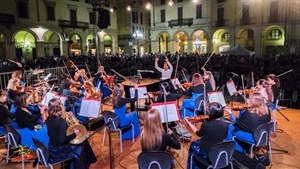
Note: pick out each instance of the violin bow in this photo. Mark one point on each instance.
(207, 60)
(67, 69)
(176, 69)
(88, 70)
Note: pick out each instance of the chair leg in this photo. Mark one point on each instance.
(270, 153)
(104, 134)
(121, 147)
(184, 112)
(251, 151)
(23, 164)
(132, 126)
(7, 154)
(191, 161)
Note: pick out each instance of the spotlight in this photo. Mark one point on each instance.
(148, 5)
(112, 9)
(170, 3)
(195, 1)
(129, 7)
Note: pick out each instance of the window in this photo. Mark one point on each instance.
(88, 1)
(50, 13)
(23, 9)
(163, 15)
(199, 11)
(142, 18)
(135, 17)
(73, 15)
(225, 37)
(250, 34)
(179, 13)
(162, 2)
(179, 0)
(92, 17)
(275, 34)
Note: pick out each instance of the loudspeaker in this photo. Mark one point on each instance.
(103, 18)
(94, 124)
(241, 161)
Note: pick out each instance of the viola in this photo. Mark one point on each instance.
(187, 85)
(90, 89)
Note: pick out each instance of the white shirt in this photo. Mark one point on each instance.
(165, 73)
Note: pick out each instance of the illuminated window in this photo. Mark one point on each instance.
(275, 34)
(225, 37)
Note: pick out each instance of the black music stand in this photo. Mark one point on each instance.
(146, 74)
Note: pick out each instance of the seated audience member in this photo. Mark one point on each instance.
(212, 131)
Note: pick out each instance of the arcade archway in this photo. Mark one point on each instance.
(181, 42)
(163, 42)
(25, 45)
(199, 41)
(51, 44)
(75, 44)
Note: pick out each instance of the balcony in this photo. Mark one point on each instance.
(220, 23)
(125, 37)
(181, 22)
(73, 24)
(7, 19)
(276, 18)
(248, 21)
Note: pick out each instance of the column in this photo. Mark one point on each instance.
(258, 42)
(231, 37)
(39, 46)
(64, 48)
(209, 46)
(189, 46)
(154, 46)
(101, 46)
(10, 50)
(172, 45)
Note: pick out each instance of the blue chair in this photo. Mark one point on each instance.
(43, 155)
(154, 160)
(219, 156)
(13, 139)
(113, 122)
(189, 105)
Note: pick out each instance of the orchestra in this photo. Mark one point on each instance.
(49, 123)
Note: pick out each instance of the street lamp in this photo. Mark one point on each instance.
(137, 35)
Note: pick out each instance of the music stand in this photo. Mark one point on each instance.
(142, 94)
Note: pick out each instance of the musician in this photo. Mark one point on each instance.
(167, 70)
(82, 76)
(18, 74)
(100, 81)
(263, 89)
(195, 90)
(74, 96)
(258, 113)
(274, 84)
(211, 132)
(12, 88)
(27, 122)
(210, 84)
(119, 104)
(153, 136)
(165, 90)
(72, 68)
(6, 116)
(59, 145)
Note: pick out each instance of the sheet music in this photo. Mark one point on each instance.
(172, 111)
(231, 87)
(216, 97)
(142, 91)
(47, 98)
(90, 108)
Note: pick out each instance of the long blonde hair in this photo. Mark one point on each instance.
(118, 92)
(151, 136)
(197, 79)
(257, 104)
(12, 84)
(211, 79)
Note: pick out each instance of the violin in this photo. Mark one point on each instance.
(187, 84)
(90, 90)
(198, 119)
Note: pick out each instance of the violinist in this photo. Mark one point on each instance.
(195, 90)
(82, 76)
(90, 92)
(74, 96)
(27, 121)
(262, 87)
(100, 81)
(12, 89)
(153, 136)
(18, 74)
(166, 91)
(72, 69)
(274, 85)
(208, 78)
(211, 132)
(258, 113)
(6, 117)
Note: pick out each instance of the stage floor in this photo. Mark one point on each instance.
(287, 138)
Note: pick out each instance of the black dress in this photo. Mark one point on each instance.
(60, 148)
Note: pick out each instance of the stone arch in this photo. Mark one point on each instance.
(3, 40)
(52, 42)
(25, 43)
(220, 40)
(199, 40)
(273, 39)
(75, 44)
(246, 38)
(163, 39)
(108, 43)
(181, 41)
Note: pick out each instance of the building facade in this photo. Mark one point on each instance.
(36, 28)
(205, 26)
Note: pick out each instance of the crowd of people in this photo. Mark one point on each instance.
(79, 87)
